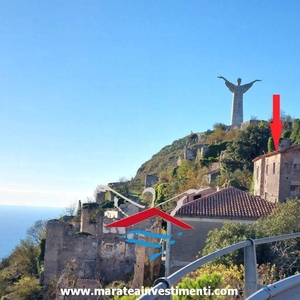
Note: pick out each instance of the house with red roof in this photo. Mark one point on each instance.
(210, 212)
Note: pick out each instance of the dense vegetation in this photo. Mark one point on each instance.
(20, 271)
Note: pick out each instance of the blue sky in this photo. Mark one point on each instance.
(90, 90)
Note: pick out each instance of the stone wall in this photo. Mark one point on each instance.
(246, 124)
(150, 180)
(259, 177)
(290, 174)
(145, 271)
(266, 177)
(189, 154)
(203, 151)
(272, 177)
(63, 244)
(100, 253)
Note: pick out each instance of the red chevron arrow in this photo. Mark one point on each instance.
(276, 125)
(146, 214)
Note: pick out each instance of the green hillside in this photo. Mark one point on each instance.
(167, 158)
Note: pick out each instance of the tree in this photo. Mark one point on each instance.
(216, 137)
(212, 280)
(37, 232)
(285, 219)
(166, 176)
(186, 176)
(295, 136)
(248, 144)
(123, 189)
(215, 276)
(183, 169)
(6, 281)
(27, 288)
(19, 272)
(287, 120)
(241, 179)
(24, 258)
(231, 134)
(270, 145)
(217, 126)
(230, 233)
(71, 209)
(286, 134)
(162, 193)
(285, 255)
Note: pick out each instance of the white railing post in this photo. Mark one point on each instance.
(251, 281)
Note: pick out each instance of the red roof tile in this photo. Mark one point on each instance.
(228, 203)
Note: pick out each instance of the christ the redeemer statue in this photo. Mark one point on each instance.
(237, 99)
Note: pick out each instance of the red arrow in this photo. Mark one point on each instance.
(276, 125)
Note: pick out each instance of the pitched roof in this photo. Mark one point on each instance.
(283, 150)
(228, 203)
(146, 214)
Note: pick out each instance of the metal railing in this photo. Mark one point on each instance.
(278, 289)
(250, 266)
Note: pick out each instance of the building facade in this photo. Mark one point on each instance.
(277, 174)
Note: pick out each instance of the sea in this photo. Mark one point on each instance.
(15, 220)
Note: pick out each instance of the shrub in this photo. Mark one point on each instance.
(27, 288)
(214, 150)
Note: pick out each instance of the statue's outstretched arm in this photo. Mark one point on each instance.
(230, 85)
(223, 78)
(247, 86)
(255, 81)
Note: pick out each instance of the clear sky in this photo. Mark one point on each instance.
(90, 90)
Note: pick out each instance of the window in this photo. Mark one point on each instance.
(257, 173)
(296, 168)
(295, 190)
(273, 168)
(109, 247)
(267, 169)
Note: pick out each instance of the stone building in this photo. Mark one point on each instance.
(210, 212)
(211, 176)
(98, 254)
(277, 174)
(150, 180)
(189, 153)
(246, 124)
